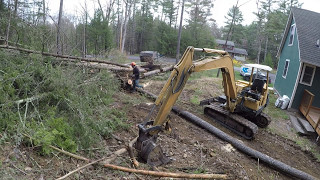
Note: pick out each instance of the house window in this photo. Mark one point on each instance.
(307, 74)
(291, 38)
(285, 70)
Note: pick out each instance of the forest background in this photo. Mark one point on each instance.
(131, 26)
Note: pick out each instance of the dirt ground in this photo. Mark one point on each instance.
(211, 154)
(192, 149)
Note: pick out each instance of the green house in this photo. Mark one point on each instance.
(299, 58)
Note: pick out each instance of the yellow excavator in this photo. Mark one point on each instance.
(240, 109)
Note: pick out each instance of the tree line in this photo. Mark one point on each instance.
(132, 26)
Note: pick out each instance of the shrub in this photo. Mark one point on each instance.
(71, 107)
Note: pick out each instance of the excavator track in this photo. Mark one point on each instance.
(264, 120)
(234, 122)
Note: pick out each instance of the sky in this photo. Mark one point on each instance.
(220, 9)
(247, 7)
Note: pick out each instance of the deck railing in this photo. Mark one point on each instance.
(306, 102)
(306, 107)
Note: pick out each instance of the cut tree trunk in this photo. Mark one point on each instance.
(63, 56)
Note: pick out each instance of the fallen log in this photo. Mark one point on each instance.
(62, 56)
(167, 68)
(103, 66)
(168, 174)
(150, 73)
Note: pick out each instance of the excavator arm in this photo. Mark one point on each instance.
(181, 73)
(148, 150)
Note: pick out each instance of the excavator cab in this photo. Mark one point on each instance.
(256, 93)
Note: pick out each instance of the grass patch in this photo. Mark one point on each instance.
(195, 100)
(199, 75)
(237, 75)
(199, 171)
(316, 154)
(213, 73)
(273, 111)
(306, 145)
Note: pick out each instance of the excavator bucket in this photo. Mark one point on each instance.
(148, 150)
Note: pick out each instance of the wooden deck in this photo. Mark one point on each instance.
(311, 113)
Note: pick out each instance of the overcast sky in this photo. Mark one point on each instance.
(219, 11)
(247, 7)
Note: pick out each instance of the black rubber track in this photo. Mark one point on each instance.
(278, 165)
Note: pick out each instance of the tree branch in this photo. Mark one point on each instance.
(80, 168)
(168, 174)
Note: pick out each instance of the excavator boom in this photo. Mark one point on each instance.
(181, 73)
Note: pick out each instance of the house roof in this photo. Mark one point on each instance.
(308, 32)
(240, 51)
(223, 42)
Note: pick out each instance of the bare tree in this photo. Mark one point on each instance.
(259, 40)
(267, 8)
(230, 28)
(9, 23)
(109, 10)
(44, 23)
(59, 50)
(179, 33)
(176, 20)
(84, 45)
(133, 30)
(103, 18)
(126, 18)
(15, 8)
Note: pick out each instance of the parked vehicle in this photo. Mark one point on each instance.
(148, 56)
(246, 70)
(259, 74)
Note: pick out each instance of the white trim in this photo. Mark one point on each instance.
(299, 72)
(285, 76)
(292, 28)
(295, 86)
(277, 71)
(285, 32)
(302, 74)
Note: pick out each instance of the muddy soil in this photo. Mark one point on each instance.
(192, 149)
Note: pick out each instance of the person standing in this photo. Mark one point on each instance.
(135, 76)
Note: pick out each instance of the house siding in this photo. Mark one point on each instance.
(285, 86)
(314, 89)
